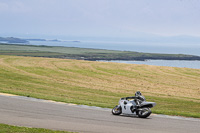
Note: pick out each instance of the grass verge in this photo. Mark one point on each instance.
(4, 128)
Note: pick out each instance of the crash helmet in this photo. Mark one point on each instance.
(138, 93)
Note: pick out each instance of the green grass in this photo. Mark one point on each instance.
(174, 106)
(16, 129)
(85, 53)
(175, 90)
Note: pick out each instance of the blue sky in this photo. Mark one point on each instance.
(108, 18)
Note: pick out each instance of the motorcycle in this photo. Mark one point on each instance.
(134, 106)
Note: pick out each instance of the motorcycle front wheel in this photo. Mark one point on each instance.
(144, 112)
(117, 110)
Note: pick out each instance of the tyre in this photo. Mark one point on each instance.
(144, 112)
(117, 110)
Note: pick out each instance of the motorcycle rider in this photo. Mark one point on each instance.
(138, 96)
(137, 99)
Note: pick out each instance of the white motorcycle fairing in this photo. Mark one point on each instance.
(126, 106)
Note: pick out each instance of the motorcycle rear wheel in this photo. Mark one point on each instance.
(144, 112)
(117, 110)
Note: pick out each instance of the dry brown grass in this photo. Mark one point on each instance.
(113, 77)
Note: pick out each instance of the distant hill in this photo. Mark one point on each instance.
(13, 40)
(36, 39)
(86, 53)
(19, 40)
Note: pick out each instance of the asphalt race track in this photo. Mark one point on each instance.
(30, 112)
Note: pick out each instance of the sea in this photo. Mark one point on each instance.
(164, 48)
